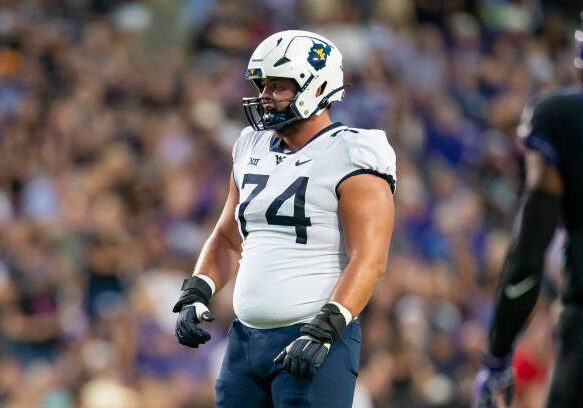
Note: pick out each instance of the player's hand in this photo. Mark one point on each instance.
(304, 356)
(187, 330)
(192, 307)
(494, 383)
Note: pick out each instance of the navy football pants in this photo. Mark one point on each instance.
(250, 379)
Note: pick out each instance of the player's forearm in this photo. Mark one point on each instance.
(218, 260)
(523, 270)
(357, 283)
(514, 303)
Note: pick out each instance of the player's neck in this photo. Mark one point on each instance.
(297, 137)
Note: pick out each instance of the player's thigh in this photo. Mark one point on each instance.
(333, 385)
(566, 389)
(237, 386)
(241, 392)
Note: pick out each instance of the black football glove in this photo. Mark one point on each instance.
(304, 356)
(193, 309)
(494, 379)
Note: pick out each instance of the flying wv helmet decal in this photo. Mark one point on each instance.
(318, 55)
(253, 73)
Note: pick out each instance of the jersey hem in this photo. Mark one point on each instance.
(274, 326)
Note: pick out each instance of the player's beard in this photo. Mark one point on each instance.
(290, 129)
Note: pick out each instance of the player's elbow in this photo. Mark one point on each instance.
(223, 239)
(370, 261)
(367, 268)
(381, 269)
(377, 267)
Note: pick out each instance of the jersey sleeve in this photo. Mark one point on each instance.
(369, 152)
(537, 129)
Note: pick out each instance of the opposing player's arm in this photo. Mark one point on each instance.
(523, 269)
(366, 211)
(222, 250)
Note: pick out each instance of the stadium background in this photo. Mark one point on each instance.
(116, 125)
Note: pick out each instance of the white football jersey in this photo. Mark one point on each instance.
(293, 248)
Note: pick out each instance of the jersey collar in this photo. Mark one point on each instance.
(278, 146)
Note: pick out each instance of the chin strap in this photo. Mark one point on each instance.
(326, 100)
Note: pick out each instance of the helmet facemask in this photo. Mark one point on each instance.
(262, 118)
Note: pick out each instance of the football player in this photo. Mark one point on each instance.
(310, 214)
(552, 132)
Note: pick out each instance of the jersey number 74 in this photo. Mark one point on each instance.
(298, 220)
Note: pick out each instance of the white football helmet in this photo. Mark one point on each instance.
(311, 60)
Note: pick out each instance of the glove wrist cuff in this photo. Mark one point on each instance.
(194, 290)
(345, 312)
(496, 363)
(209, 281)
(199, 287)
(327, 325)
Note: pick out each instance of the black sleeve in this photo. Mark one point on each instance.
(523, 270)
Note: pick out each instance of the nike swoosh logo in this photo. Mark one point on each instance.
(299, 163)
(520, 288)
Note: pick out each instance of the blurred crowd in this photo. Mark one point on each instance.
(117, 120)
